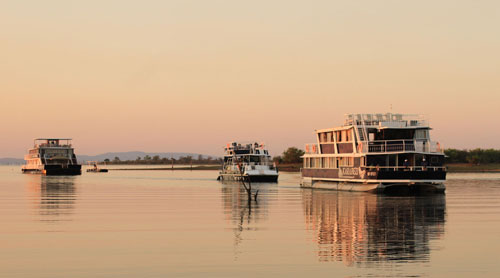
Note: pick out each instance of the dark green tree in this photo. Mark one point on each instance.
(292, 155)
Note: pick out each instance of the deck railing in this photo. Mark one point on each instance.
(405, 168)
(385, 146)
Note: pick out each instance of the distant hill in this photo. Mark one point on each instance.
(8, 160)
(111, 156)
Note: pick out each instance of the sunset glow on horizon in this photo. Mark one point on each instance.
(190, 76)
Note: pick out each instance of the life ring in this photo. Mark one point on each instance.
(314, 149)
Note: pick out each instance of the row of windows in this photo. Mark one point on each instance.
(328, 162)
(341, 135)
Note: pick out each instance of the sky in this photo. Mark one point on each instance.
(190, 76)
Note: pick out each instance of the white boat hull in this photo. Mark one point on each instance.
(376, 187)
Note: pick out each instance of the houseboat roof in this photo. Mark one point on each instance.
(381, 121)
(388, 120)
(52, 142)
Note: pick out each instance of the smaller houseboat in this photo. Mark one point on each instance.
(52, 156)
(249, 162)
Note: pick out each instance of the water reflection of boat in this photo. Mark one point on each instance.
(244, 215)
(54, 197)
(364, 228)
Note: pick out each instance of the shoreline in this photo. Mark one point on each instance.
(194, 168)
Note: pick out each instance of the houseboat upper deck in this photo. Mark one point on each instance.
(375, 152)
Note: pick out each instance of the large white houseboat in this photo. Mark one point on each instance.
(249, 162)
(377, 153)
(52, 156)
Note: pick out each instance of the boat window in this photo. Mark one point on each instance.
(331, 162)
(371, 136)
(255, 159)
(421, 134)
(348, 135)
(346, 161)
(395, 134)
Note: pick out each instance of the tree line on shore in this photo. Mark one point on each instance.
(290, 156)
(293, 155)
(475, 156)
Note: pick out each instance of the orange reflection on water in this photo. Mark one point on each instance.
(364, 228)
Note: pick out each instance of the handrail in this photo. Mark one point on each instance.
(409, 168)
(416, 145)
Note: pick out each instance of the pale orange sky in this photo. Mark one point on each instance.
(189, 76)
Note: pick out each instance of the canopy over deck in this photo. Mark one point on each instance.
(387, 120)
(52, 141)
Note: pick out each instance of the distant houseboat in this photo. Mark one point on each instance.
(250, 162)
(375, 152)
(52, 156)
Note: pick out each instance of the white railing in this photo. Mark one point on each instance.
(387, 146)
(405, 168)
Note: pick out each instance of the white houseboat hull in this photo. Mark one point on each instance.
(375, 186)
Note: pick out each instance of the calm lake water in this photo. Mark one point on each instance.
(187, 224)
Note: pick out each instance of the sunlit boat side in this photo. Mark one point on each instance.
(52, 156)
(375, 152)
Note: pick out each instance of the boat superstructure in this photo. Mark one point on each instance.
(52, 156)
(248, 161)
(375, 152)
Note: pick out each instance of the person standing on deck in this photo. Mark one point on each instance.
(424, 164)
(406, 164)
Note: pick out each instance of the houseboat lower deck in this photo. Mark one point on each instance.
(377, 180)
